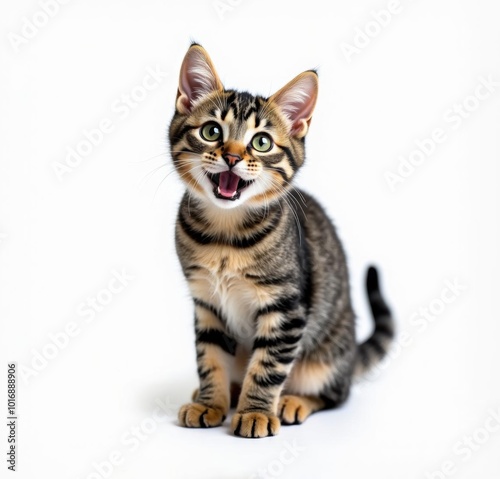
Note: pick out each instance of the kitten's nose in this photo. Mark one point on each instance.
(231, 159)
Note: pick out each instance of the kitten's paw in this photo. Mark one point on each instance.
(255, 424)
(293, 410)
(198, 415)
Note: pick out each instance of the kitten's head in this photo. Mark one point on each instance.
(233, 148)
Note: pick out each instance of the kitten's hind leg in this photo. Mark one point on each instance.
(295, 409)
(314, 385)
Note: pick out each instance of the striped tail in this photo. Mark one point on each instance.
(377, 345)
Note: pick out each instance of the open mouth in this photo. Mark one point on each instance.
(228, 185)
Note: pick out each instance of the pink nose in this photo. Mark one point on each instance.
(231, 159)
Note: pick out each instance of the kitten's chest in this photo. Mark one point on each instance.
(224, 285)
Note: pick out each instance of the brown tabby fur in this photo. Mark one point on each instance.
(273, 318)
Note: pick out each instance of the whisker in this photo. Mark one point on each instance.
(181, 175)
(151, 173)
(275, 186)
(185, 151)
(195, 180)
(293, 198)
(148, 159)
(301, 196)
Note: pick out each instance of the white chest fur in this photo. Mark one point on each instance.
(224, 286)
(238, 299)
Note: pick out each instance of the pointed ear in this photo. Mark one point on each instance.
(297, 100)
(197, 78)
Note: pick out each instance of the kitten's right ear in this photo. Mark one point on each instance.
(198, 77)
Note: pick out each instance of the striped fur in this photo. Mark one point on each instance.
(273, 318)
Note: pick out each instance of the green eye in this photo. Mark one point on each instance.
(262, 142)
(211, 131)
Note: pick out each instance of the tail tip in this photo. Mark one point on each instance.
(372, 283)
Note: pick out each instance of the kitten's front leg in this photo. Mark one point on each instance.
(214, 350)
(274, 350)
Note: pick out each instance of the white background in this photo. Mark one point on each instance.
(61, 239)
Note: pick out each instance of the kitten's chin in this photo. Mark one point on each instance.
(226, 204)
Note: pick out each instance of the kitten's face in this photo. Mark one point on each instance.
(232, 148)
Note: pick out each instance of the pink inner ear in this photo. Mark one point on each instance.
(184, 100)
(191, 86)
(297, 100)
(197, 77)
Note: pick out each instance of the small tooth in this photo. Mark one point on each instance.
(234, 194)
(218, 190)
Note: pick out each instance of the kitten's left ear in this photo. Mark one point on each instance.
(197, 78)
(297, 100)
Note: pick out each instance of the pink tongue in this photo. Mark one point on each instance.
(228, 183)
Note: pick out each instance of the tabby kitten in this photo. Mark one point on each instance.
(274, 323)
